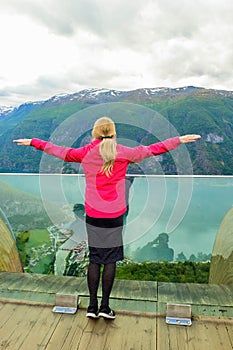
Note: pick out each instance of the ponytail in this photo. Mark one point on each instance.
(108, 153)
(104, 129)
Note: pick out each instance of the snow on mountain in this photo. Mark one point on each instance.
(5, 110)
(98, 92)
(87, 95)
(102, 95)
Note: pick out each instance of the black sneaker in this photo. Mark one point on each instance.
(92, 312)
(107, 313)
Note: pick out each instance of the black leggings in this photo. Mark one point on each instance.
(105, 248)
(93, 279)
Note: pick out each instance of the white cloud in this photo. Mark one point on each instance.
(58, 45)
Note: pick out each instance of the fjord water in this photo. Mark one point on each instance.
(202, 206)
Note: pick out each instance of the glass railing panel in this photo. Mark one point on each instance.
(170, 218)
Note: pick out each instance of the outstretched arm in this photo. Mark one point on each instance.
(47, 147)
(137, 154)
(66, 153)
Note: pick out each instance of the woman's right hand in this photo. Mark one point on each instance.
(23, 142)
(189, 138)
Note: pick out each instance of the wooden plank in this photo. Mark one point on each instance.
(132, 332)
(27, 297)
(6, 312)
(218, 336)
(125, 332)
(229, 328)
(19, 281)
(31, 327)
(204, 294)
(140, 290)
(42, 283)
(41, 329)
(57, 283)
(9, 329)
(10, 279)
(212, 300)
(135, 305)
(1, 306)
(170, 337)
(122, 289)
(25, 327)
(28, 316)
(202, 335)
(196, 293)
(95, 333)
(68, 332)
(215, 300)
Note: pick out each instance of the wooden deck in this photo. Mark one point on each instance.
(28, 323)
(30, 327)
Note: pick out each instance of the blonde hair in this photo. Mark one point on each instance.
(104, 129)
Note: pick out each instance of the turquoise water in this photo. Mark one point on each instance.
(199, 205)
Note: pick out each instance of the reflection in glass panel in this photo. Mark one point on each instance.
(169, 218)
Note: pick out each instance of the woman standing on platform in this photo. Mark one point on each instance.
(105, 163)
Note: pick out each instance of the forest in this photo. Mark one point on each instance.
(176, 272)
(42, 260)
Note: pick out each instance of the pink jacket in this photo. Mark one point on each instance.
(105, 196)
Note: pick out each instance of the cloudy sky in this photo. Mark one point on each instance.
(63, 46)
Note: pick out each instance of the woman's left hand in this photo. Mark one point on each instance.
(23, 142)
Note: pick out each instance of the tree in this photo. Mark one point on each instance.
(181, 257)
(192, 258)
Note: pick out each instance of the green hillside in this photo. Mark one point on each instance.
(207, 112)
(205, 115)
(23, 210)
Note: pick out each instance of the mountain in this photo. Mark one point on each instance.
(24, 210)
(189, 109)
(4, 110)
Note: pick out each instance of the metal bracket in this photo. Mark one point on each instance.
(66, 303)
(179, 314)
